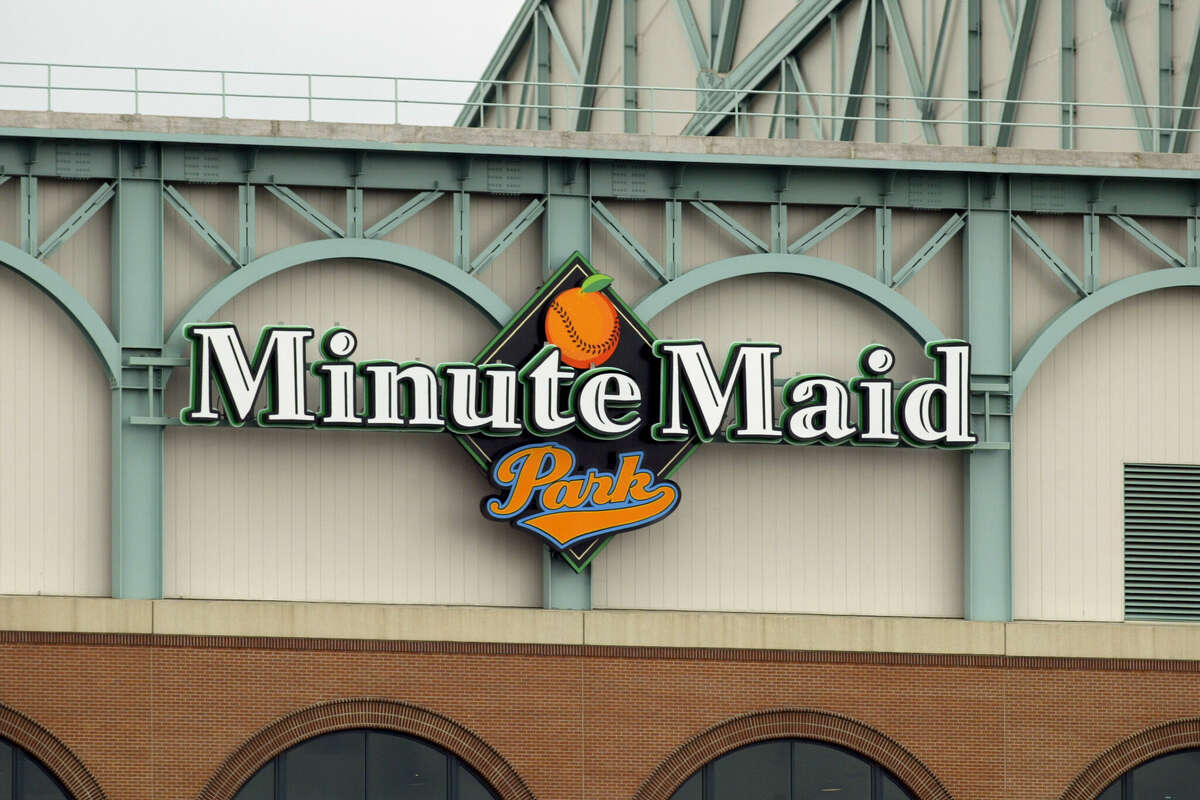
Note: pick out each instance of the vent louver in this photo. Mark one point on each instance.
(1162, 541)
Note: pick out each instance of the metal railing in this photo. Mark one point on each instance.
(415, 100)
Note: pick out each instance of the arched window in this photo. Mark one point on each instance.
(22, 777)
(364, 765)
(791, 769)
(1174, 776)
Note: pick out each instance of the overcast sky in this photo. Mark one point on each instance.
(418, 38)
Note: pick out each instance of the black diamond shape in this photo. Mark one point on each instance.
(524, 336)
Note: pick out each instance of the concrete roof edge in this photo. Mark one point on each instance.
(583, 144)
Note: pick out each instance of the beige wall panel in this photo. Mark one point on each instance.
(1038, 121)
(853, 244)
(190, 266)
(645, 221)
(664, 59)
(432, 230)
(277, 226)
(85, 259)
(937, 288)
(1113, 392)
(355, 516)
(1039, 295)
(517, 273)
(54, 434)
(1096, 55)
(1122, 255)
(704, 242)
(732, 545)
(758, 20)
(516, 72)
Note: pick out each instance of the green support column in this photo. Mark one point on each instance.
(566, 227)
(137, 446)
(987, 309)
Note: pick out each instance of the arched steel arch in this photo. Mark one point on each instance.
(442, 271)
(1061, 326)
(888, 300)
(69, 300)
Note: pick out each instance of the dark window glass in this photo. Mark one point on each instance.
(22, 777)
(259, 787)
(821, 771)
(363, 765)
(756, 772)
(1113, 792)
(1170, 777)
(469, 785)
(791, 769)
(400, 768)
(37, 783)
(692, 789)
(890, 788)
(6, 771)
(329, 767)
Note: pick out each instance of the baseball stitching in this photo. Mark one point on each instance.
(590, 349)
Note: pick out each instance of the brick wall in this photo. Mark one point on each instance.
(153, 718)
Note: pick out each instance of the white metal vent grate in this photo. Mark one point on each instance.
(1162, 541)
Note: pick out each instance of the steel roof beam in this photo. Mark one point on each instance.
(1191, 90)
(1066, 76)
(974, 77)
(1133, 86)
(1016, 72)
(912, 70)
(814, 116)
(514, 37)
(561, 43)
(629, 63)
(731, 20)
(592, 52)
(847, 124)
(691, 30)
(1166, 113)
(796, 28)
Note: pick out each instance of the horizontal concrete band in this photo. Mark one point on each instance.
(669, 629)
(431, 138)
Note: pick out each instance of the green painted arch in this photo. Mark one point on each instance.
(888, 300)
(442, 271)
(69, 300)
(1061, 326)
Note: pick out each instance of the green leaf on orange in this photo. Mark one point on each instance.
(595, 283)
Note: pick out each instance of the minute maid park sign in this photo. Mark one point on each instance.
(577, 413)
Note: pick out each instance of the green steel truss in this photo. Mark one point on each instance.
(1159, 122)
(992, 208)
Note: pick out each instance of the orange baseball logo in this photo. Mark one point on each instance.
(582, 323)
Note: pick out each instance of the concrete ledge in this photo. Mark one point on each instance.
(76, 615)
(450, 139)
(699, 629)
(362, 621)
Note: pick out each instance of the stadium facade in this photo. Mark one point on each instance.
(921, 518)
